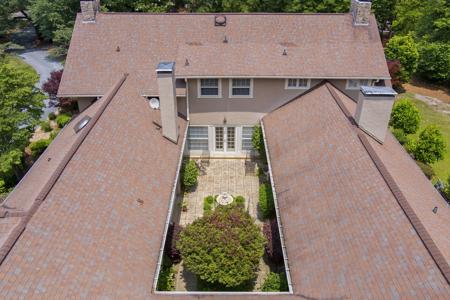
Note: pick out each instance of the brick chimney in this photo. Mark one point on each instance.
(165, 73)
(373, 110)
(89, 10)
(360, 10)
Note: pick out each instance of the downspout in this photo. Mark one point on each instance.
(187, 98)
(277, 212)
(169, 214)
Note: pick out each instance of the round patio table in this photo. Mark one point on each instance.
(224, 198)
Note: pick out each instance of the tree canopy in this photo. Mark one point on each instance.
(405, 116)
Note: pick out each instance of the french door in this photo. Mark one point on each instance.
(225, 139)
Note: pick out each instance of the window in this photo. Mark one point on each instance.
(355, 84)
(247, 133)
(241, 88)
(198, 138)
(209, 88)
(298, 83)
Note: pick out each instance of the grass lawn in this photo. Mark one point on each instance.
(431, 116)
(20, 64)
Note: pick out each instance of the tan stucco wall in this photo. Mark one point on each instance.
(268, 94)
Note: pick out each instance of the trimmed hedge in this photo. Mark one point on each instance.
(38, 147)
(275, 282)
(62, 120)
(170, 249)
(166, 279)
(400, 135)
(208, 204)
(189, 174)
(273, 247)
(266, 204)
(240, 201)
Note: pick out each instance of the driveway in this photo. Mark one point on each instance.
(40, 61)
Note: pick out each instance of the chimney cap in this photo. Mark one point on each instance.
(165, 67)
(378, 91)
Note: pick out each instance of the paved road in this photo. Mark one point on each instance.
(39, 60)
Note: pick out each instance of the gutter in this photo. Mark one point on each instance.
(170, 212)
(277, 212)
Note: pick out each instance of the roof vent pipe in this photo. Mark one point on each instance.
(373, 110)
(165, 73)
(89, 10)
(360, 10)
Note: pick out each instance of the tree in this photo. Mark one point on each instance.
(430, 147)
(405, 116)
(20, 109)
(384, 12)
(51, 86)
(434, 62)
(394, 67)
(223, 247)
(405, 50)
(318, 6)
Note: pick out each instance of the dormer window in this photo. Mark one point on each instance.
(209, 88)
(298, 83)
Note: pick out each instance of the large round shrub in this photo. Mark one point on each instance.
(405, 116)
(430, 147)
(189, 174)
(38, 147)
(223, 247)
(266, 204)
(62, 120)
(405, 50)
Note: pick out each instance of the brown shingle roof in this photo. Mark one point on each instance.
(318, 45)
(343, 226)
(90, 237)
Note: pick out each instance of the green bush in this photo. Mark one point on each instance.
(434, 62)
(2, 187)
(38, 147)
(208, 204)
(223, 247)
(240, 201)
(275, 282)
(51, 116)
(258, 142)
(405, 50)
(426, 169)
(400, 135)
(166, 279)
(189, 174)
(62, 120)
(266, 204)
(447, 189)
(405, 116)
(430, 147)
(54, 133)
(45, 126)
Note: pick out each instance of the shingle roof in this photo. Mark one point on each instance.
(90, 236)
(343, 226)
(317, 45)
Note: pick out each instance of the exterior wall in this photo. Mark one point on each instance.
(182, 107)
(268, 94)
(84, 103)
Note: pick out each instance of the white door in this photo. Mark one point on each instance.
(225, 139)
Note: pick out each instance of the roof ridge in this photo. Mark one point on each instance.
(222, 13)
(15, 233)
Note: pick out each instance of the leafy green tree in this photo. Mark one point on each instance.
(223, 247)
(319, 6)
(430, 147)
(407, 15)
(405, 50)
(405, 116)
(434, 62)
(384, 11)
(141, 5)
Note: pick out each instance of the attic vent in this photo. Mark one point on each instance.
(81, 124)
(220, 20)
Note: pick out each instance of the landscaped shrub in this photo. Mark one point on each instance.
(394, 67)
(275, 282)
(434, 62)
(223, 247)
(405, 116)
(45, 126)
(426, 169)
(430, 147)
(51, 116)
(208, 204)
(400, 135)
(405, 50)
(189, 174)
(273, 246)
(447, 190)
(166, 279)
(170, 249)
(38, 147)
(62, 120)
(240, 201)
(258, 142)
(54, 133)
(266, 204)
(2, 187)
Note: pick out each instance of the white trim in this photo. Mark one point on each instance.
(375, 77)
(286, 87)
(230, 89)
(199, 90)
(370, 83)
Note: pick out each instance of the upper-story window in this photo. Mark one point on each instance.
(298, 83)
(209, 88)
(355, 84)
(241, 88)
